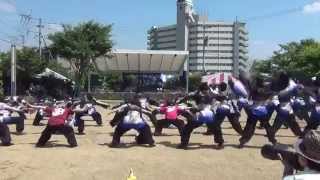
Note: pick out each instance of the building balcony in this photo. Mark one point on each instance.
(243, 44)
(243, 30)
(243, 37)
(243, 57)
(243, 49)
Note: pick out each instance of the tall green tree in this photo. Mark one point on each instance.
(28, 64)
(81, 45)
(299, 59)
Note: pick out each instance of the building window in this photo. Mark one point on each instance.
(211, 51)
(212, 38)
(210, 57)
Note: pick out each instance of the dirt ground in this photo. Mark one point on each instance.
(93, 159)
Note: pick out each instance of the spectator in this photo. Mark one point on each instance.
(308, 150)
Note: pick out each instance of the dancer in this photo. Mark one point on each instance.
(14, 106)
(285, 111)
(260, 109)
(130, 116)
(86, 108)
(171, 110)
(5, 117)
(227, 108)
(58, 122)
(202, 114)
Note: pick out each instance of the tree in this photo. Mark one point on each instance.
(299, 59)
(28, 65)
(81, 45)
(112, 81)
(194, 81)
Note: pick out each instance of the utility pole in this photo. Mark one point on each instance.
(40, 26)
(13, 70)
(205, 43)
(219, 48)
(23, 40)
(26, 19)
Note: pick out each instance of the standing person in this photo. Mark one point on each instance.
(202, 114)
(57, 122)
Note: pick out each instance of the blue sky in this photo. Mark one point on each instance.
(132, 19)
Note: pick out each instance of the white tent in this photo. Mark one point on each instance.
(143, 61)
(48, 72)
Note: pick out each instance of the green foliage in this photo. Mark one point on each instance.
(194, 81)
(172, 83)
(28, 64)
(299, 59)
(112, 81)
(2, 56)
(80, 45)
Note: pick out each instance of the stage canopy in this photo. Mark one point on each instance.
(48, 72)
(143, 61)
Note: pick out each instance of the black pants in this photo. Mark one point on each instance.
(166, 123)
(37, 119)
(119, 115)
(312, 125)
(17, 120)
(144, 137)
(290, 121)
(5, 136)
(302, 114)
(251, 126)
(233, 119)
(214, 127)
(67, 131)
(96, 116)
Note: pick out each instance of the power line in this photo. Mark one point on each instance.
(4, 40)
(275, 14)
(27, 18)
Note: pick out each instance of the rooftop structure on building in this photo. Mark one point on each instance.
(214, 46)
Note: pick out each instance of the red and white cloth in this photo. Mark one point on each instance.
(216, 78)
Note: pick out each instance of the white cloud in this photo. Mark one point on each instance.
(312, 8)
(8, 7)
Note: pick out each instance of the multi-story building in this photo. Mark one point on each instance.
(213, 46)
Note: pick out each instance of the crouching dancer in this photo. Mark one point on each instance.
(17, 105)
(60, 115)
(4, 134)
(171, 112)
(87, 108)
(202, 114)
(130, 116)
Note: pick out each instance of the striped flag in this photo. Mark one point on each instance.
(216, 78)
